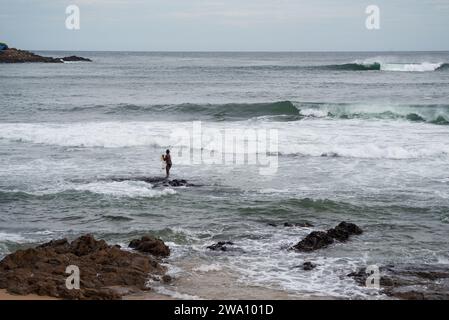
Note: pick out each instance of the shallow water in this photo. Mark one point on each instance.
(356, 143)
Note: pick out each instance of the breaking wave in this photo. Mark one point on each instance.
(129, 189)
(382, 66)
(190, 111)
(434, 114)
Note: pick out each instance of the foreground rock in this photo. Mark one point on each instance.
(149, 244)
(104, 270)
(411, 282)
(321, 239)
(13, 55)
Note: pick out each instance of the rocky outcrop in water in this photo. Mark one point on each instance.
(75, 59)
(13, 55)
(220, 246)
(105, 270)
(287, 224)
(410, 282)
(298, 224)
(307, 266)
(344, 230)
(151, 245)
(156, 181)
(321, 239)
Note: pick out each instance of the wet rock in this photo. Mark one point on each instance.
(314, 241)
(13, 55)
(220, 246)
(298, 224)
(344, 230)
(320, 239)
(178, 183)
(307, 266)
(42, 270)
(410, 282)
(151, 245)
(156, 181)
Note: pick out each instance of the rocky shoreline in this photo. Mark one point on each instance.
(12, 55)
(111, 272)
(105, 271)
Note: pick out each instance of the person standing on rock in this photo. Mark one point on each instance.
(168, 164)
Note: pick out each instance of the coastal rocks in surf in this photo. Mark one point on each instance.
(303, 224)
(151, 245)
(314, 241)
(221, 246)
(157, 181)
(106, 272)
(298, 224)
(321, 239)
(13, 55)
(410, 282)
(307, 266)
(344, 230)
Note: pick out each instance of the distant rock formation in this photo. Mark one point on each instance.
(12, 55)
(75, 59)
(106, 271)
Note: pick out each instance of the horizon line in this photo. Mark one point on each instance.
(241, 51)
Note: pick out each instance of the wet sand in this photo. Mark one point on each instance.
(8, 296)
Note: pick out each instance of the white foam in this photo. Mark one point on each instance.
(124, 189)
(410, 67)
(208, 268)
(132, 189)
(272, 190)
(355, 138)
(12, 237)
(316, 113)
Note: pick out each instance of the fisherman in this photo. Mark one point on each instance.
(168, 164)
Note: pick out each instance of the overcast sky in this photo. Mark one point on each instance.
(226, 25)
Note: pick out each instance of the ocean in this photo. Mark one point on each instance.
(362, 137)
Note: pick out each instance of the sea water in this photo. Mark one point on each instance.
(362, 137)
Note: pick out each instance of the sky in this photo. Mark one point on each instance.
(226, 25)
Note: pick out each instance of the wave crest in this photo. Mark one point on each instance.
(392, 67)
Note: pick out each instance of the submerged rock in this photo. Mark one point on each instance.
(220, 246)
(156, 181)
(75, 59)
(303, 224)
(103, 269)
(307, 266)
(320, 239)
(410, 282)
(298, 224)
(149, 244)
